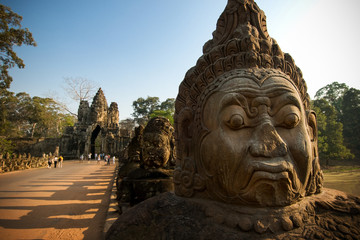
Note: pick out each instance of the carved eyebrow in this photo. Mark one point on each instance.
(238, 96)
(237, 99)
(231, 99)
(284, 100)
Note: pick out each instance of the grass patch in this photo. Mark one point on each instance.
(331, 169)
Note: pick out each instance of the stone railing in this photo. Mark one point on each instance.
(20, 162)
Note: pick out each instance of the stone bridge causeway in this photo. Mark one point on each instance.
(57, 203)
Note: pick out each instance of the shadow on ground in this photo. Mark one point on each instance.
(65, 202)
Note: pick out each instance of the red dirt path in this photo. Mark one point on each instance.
(62, 203)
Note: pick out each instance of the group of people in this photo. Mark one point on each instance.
(56, 161)
(102, 156)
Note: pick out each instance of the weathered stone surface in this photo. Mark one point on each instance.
(97, 130)
(146, 171)
(133, 150)
(20, 162)
(245, 130)
(328, 215)
(247, 163)
(84, 112)
(157, 143)
(113, 116)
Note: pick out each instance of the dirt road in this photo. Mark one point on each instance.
(62, 203)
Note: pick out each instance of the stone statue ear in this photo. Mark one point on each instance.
(312, 126)
(185, 124)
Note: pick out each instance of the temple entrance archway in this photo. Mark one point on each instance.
(96, 143)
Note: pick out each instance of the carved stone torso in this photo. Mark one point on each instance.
(329, 215)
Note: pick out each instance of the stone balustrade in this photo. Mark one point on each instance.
(16, 162)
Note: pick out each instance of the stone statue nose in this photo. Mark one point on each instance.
(266, 142)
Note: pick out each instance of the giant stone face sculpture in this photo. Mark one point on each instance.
(247, 162)
(259, 147)
(245, 131)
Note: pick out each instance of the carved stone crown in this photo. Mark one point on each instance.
(240, 41)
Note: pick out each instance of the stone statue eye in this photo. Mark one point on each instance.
(291, 120)
(236, 121)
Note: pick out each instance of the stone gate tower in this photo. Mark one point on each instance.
(97, 130)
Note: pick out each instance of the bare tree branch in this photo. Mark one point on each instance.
(80, 89)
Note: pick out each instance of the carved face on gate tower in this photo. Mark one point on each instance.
(245, 131)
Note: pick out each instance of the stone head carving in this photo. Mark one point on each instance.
(134, 147)
(99, 108)
(83, 112)
(244, 128)
(157, 143)
(113, 115)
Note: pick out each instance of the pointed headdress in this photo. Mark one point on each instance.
(240, 41)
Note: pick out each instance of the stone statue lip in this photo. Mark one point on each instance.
(273, 169)
(272, 165)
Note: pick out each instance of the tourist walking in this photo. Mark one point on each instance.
(49, 162)
(55, 161)
(61, 159)
(98, 159)
(113, 158)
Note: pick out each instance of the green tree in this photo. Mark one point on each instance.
(144, 107)
(11, 34)
(161, 113)
(321, 125)
(44, 117)
(351, 120)
(333, 93)
(166, 109)
(22, 115)
(8, 103)
(168, 105)
(331, 133)
(5, 146)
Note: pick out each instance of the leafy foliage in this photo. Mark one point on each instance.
(11, 34)
(333, 93)
(321, 124)
(162, 113)
(351, 120)
(331, 145)
(346, 102)
(144, 109)
(6, 146)
(25, 116)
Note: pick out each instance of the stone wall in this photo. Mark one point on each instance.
(20, 162)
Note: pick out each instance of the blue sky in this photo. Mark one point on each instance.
(140, 48)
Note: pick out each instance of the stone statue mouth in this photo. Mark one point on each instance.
(270, 170)
(271, 176)
(272, 166)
